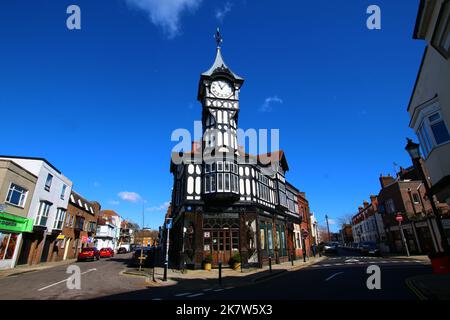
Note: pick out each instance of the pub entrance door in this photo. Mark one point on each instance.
(221, 238)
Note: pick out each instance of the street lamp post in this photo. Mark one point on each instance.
(328, 228)
(413, 150)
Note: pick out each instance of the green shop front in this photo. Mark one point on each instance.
(11, 229)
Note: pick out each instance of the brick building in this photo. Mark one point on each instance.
(305, 225)
(405, 196)
(79, 227)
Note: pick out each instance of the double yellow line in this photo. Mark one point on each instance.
(416, 291)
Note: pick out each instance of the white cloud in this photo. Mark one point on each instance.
(161, 207)
(129, 196)
(166, 13)
(268, 102)
(114, 202)
(331, 222)
(221, 13)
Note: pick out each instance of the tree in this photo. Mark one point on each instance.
(345, 219)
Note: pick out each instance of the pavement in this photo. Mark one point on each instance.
(22, 269)
(229, 276)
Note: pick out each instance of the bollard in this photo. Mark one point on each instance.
(304, 257)
(292, 259)
(270, 264)
(220, 272)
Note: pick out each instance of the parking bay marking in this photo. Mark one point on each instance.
(65, 280)
(195, 295)
(333, 275)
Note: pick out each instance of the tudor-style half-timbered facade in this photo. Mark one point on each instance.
(224, 200)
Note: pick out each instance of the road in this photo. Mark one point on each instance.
(339, 277)
(98, 278)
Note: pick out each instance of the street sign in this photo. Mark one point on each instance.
(399, 218)
(169, 223)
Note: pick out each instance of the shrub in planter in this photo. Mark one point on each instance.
(207, 262)
(235, 261)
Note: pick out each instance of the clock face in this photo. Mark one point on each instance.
(221, 89)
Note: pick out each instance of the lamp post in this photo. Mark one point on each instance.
(413, 150)
(328, 228)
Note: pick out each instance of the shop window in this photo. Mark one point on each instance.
(7, 245)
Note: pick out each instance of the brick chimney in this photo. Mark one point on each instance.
(365, 204)
(386, 180)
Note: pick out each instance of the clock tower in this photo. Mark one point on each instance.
(218, 93)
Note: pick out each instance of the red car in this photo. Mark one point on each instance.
(88, 254)
(106, 253)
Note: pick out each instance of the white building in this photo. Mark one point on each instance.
(315, 229)
(368, 226)
(429, 107)
(47, 208)
(108, 230)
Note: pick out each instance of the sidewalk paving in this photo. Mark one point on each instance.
(430, 286)
(229, 276)
(20, 269)
(423, 258)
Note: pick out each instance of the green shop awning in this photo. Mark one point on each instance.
(14, 223)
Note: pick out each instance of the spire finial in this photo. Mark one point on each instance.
(218, 37)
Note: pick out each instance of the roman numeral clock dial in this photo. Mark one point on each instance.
(221, 89)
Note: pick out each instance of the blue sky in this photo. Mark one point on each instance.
(101, 103)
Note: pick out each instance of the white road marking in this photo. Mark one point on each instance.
(217, 290)
(209, 289)
(183, 294)
(65, 280)
(195, 295)
(228, 288)
(351, 260)
(157, 299)
(333, 275)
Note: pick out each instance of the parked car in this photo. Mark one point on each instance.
(370, 248)
(88, 254)
(106, 253)
(330, 247)
(122, 250)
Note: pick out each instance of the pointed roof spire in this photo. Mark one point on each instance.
(219, 64)
(218, 38)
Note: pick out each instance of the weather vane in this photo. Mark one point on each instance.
(218, 37)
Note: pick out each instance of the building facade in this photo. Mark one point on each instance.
(16, 191)
(108, 230)
(47, 209)
(429, 107)
(405, 196)
(227, 201)
(79, 228)
(367, 225)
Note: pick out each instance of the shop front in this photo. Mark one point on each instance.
(11, 229)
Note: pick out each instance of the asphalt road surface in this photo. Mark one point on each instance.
(342, 276)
